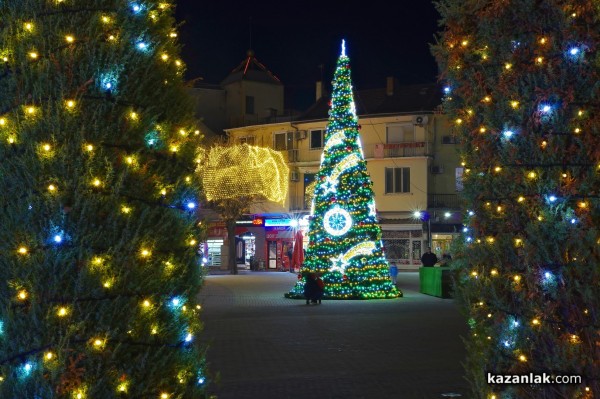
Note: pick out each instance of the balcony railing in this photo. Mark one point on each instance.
(395, 150)
(450, 201)
(406, 149)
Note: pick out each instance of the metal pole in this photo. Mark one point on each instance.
(430, 244)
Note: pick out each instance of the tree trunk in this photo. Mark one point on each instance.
(231, 250)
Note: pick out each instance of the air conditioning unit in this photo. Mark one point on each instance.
(294, 176)
(437, 169)
(420, 120)
(300, 134)
(449, 140)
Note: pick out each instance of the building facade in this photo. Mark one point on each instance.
(411, 153)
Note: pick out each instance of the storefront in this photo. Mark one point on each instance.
(261, 243)
(279, 235)
(249, 241)
(403, 244)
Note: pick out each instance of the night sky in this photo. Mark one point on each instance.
(300, 41)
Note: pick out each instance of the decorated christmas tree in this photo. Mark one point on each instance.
(344, 235)
(523, 93)
(98, 268)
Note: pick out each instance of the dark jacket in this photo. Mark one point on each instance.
(429, 259)
(311, 288)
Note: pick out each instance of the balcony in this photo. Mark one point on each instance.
(448, 201)
(377, 151)
(396, 150)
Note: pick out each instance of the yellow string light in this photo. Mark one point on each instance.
(49, 356)
(494, 272)
(51, 188)
(521, 198)
(98, 343)
(28, 26)
(146, 303)
(164, 57)
(96, 182)
(535, 322)
(245, 171)
(539, 60)
(517, 278)
(70, 104)
(522, 358)
(543, 40)
(22, 295)
(145, 253)
(2, 121)
(33, 55)
(531, 175)
(69, 39)
(122, 387)
(23, 250)
(125, 209)
(514, 104)
(62, 311)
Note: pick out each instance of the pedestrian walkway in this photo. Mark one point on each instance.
(266, 346)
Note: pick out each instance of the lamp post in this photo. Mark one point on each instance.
(425, 217)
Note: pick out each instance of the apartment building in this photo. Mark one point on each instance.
(411, 157)
(411, 153)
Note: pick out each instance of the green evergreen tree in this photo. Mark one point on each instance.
(344, 234)
(523, 92)
(98, 268)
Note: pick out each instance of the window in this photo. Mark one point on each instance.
(247, 140)
(317, 139)
(283, 141)
(400, 133)
(397, 180)
(249, 105)
(459, 178)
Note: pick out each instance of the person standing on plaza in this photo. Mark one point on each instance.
(393, 272)
(429, 258)
(311, 288)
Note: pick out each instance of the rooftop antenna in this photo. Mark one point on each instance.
(250, 32)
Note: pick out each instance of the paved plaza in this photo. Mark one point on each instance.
(265, 346)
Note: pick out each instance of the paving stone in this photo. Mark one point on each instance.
(266, 346)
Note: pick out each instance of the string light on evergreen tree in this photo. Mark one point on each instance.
(528, 264)
(98, 215)
(344, 235)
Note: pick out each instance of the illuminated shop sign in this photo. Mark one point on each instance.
(278, 222)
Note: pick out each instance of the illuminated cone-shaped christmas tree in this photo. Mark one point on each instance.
(98, 268)
(344, 235)
(523, 92)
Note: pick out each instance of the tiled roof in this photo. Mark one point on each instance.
(416, 98)
(251, 69)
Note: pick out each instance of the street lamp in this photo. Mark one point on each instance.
(425, 217)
